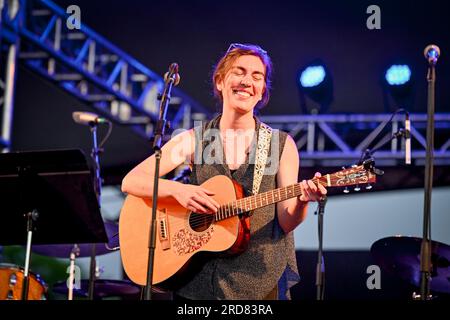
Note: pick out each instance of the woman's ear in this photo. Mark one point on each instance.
(219, 86)
(219, 83)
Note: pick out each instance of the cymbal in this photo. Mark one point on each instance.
(400, 256)
(64, 250)
(110, 288)
(102, 288)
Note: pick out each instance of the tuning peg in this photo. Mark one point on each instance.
(346, 190)
(357, 188)
(369, 186)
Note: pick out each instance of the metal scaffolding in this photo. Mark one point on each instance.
(87, 66)
(338, 139)
(11, 19)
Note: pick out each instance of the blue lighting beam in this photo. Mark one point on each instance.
(312, 76)
(398, 75)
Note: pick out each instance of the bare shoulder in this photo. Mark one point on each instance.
(181, 144)
(183, 135)
(290, 150)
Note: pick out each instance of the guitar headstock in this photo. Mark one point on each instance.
(364, 174)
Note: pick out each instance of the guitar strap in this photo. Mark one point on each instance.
(262, 152)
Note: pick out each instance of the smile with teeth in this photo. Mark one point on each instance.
(242, 93)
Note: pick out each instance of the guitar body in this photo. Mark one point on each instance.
(180, 233)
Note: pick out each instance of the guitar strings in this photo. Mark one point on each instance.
(201, 218)
(209, 218)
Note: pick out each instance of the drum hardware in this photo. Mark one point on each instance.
(112, 288)
(31, 217)
(81, 250)
(73, 254)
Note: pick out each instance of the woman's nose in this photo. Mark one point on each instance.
(246, 81)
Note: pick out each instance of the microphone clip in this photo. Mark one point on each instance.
(432, 53)
(172, 75)
(406, 133)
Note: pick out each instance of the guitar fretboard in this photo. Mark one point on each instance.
(347, 177)
(257, 201)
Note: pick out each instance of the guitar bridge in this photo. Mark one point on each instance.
(163, 227)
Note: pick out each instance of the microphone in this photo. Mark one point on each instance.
(88, 118)
(172, 74)
(432, 53)
(408, 139)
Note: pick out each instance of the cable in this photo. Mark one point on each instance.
(366, 150)
(107, 134)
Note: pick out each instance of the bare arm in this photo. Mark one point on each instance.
(293, 211)
(139, 181)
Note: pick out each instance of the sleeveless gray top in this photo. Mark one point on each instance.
(270, 257)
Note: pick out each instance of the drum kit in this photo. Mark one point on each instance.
(11, 276)
(11, 280)
(397, 255)
(400, 256)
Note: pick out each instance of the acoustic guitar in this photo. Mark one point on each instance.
(181, 234)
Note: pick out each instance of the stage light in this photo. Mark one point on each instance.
(398, 87)
(398, 75)
(314, 81)
(312, 76)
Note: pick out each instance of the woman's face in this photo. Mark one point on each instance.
(244, 84)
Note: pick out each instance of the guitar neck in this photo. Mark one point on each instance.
(355, 175)
(257, 201)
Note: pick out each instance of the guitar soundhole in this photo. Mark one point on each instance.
(200, 221)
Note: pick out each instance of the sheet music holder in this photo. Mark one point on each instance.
(59, 185)
(49, 193)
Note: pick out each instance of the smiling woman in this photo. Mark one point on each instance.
(234, 158)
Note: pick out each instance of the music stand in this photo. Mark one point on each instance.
(52, 193)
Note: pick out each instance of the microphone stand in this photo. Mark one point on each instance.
(171, 79)
(98, 190)
(320, 268)
(431, 53)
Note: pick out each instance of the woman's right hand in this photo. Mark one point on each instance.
(196, 198)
